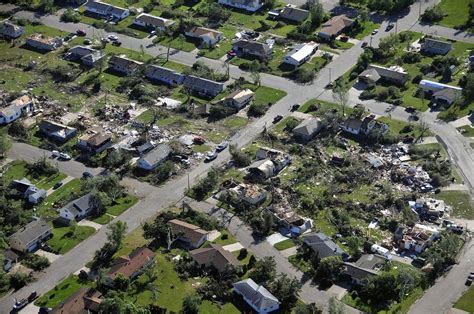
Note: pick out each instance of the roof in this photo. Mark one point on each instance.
(9, 255)
(22, 101)
(370, 74)
(352, 123)
(97, 5)
(80, 302)
(215, 255)
(9, 27)
(252, 46)
(22, 185)
(366, 266)
(154, 20)
(80, 50)
(395, 73)
(95, 138)
(300, 52)
(194, 82)
(308, 127)
(257, 295)
(436, 44)
(157, 154)
(130, 264)
(80, 205)
(9, 110)
(266, 166)
(50, 127)
(155, 71)
(437, 85)
(32, 231)
(322, 244)
(371, 261)
(294, 14)
(189, 231)
(122, 61)
(199, 31)
(42, 38)
(202, 110)
(336, 24)
(446, 93)
(240, 95)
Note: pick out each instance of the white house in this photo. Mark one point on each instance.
(248, 5)
(106, 10)
(154, 157)
(42, 42)
(152, 22)
(11, 30)
(17, 107)
(77, 209)
(164, 75)
(29, 237)
(208, 36)
(259, 298)
(299, 54)
(124, 65)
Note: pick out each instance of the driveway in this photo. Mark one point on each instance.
(50, 256)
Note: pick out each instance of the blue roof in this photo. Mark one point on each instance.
(437, 85)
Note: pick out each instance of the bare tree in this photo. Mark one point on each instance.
(341, 96)
(255, 75)
(170, 239)
(424, 127)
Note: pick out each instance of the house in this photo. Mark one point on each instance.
(374, 73)
(366, 266)
(15, 109)
(202, 86)
(289, 220)
(77, 209)
(191, 234)
(307, 129)
(94, 141)
(429, 206)
(238, 99)
(10, 258)
(294, 14)
(202, 110)
(106, 10)
(418, 238)
(299, 54)
(269, 163)
(41, 42)
(262, 169)
(86, 55)
(164, 75)
(440, 93)
(207, 36)
(259, 298)
(84, 301)
(130, 265)
(75, 2)
(124, 65)
(152, 22)
(252, 48)
(435, 47)
(8, 29)
(322, 245)
(247, 5)
(471, 63)
(154, 157)
(364, 127)
(29, 237)
(249, 193)
(92, 59)
(214, 256)
(335, 26)
(57, 131)
(28, 191)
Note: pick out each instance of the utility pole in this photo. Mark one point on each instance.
(419, 12)
(396, 27)
(371, 37)
(329, 75)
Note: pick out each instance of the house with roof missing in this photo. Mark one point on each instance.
(94, 141)
(130, 266)
(88, 56)
(77, 209)
(322, 245)
(301, 53)
(435, 47)
(154, 157)
(188, 233)
(28, 191)
(209, 37)
(368, 265)
(293, 14)
(418, 238)
(8, 29)
(84, 301)
(202, 86)
(335, 26)
(307, 129)
(442, 94)
(124, 65)
(374, 73)
(164, 75)
(238, 99)
(249, 193)
(252, 48)
(247, 5)
(106, 10)
(213, 255)
(29, 237)
(152, 22)
(57, 131)
(288, 219)
(16, 109)
(259, 298)
(269, 163)
(42, 42)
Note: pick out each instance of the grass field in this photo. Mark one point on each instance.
(64, 239)
(66, 192)
(17, 170)
(466, 302)
(283, 245)
(467, 130)
(225, 238)
(397, 127)
(62, 291)
(456, 12)
(461, 202)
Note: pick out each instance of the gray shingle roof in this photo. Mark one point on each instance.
(294, 14)
(257, 295)
(158, 72)
(252, 46)
(32, 231)
(322, 244)
(80, 205)
(198, 83)
(157, 154)
(308, 127)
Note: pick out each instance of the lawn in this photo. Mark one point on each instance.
(456, 12)
(299, 263)
(398, 127)
(209, 307)
(323, 107)
(17, 170)
(467, 130)
(460, 201)
(63, 290)
(64, 239)
(121, 205)
(235, 122)
(365, 30)
(225, 238)
(466, 302)
(265, 95)
(283, 245)
(67, 192)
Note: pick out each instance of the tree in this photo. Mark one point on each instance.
(98, 201)
(468, 90)
(116, 233)
(286, 289)
(264, 270)
(255, 75)
(310, 308)
(316, 12)
(240, 158)
(191, 304)
(423, 127)
(335, 306)
(341, 96)
(18, 129)
(329, 269)
(121, 282)
(19, 280)
(115, 303)
(354, 244)
(5, 144)
(163, 172)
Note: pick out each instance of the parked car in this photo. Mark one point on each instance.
(81, 32)
(57, 185)
(117, 43)
(468, 282)
(198, 140)
(33, 296)
(294, 107)
(105, 40)
(44, 310)
(64, 156)
(344, 38)
(222, 146)
(277, 119)
(83, 275)
(410, 109)
(152, 33)
(87, 174)
(389, 27)
(54, 154)
(211, 156)
(375, 31)
(112, 37)
(364, 44)
(19, 304)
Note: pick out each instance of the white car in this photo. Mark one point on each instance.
(211, 156)
(64, 156)
(113, 37)
(222, 146)
(375, 31)
(54, 154)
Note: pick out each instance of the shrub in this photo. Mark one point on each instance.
(433, 14)
(257, 110)
(36, 262)
(71, 16)
(242, 254)
(303, 75)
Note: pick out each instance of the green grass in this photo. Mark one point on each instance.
(64, 240)
(201, 149)
(68, 191)
(122, 204)
(365, 29)
(324, 106)
(265, 95)
(467, 130)
(235, 122)
(460, 201)
(62, 291)
(396, 127)
(224, 45)
(17, 170)
(299, 263)
(209, 307)
(225, 238)
(466, 302)
(283, 245)
(103, 219)
(456, 11)
(132, 240)
(180, 43)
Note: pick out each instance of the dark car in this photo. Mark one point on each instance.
(277, 119)
(81, 32)
(468, 282)
(57, 185)
(116, 43)
(44, 310)
(294, 107)
(87, 174)
(410, 109)
(389, 27)
(33, 296)
(364, 44)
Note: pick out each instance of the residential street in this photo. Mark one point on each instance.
(157, 198)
